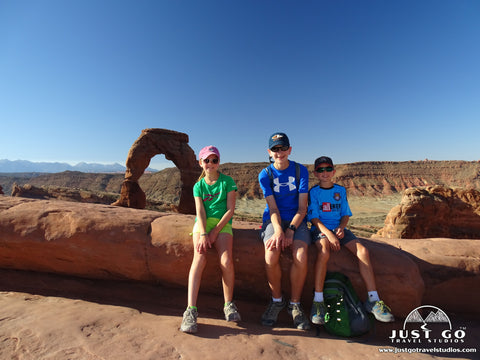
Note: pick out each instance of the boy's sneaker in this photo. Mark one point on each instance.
(269, 317)
(189, 322)
(300, 321)
(379, 310)
(319, 314)
(231, 312)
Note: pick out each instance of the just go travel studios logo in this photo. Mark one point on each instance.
(428, 325)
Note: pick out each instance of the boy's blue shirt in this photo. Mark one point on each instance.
(284, 189)
(328, 205)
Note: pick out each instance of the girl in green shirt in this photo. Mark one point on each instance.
(214, 195)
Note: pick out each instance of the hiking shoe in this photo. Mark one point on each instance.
(379, 310)
(269, 317)
(231, 312)
(189, 322)
(319, 314)
(300, 321)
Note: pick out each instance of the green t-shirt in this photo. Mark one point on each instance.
(214, 196)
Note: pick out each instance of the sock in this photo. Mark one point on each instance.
(280, 299)
(318, 296)
(373, 296)
(294, 303)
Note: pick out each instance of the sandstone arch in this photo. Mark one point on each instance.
(172, 144)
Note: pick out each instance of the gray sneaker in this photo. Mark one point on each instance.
(189, 322)
(269, 317)
(231, 312)
(319, 314)
(300, 321)
(379, 310)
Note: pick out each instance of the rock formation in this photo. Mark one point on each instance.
(450, 270)
(435, 211)
(174, 145)
(1, 190)
(108, 242)
(62, 193)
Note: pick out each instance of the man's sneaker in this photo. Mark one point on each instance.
(379, 310)
(269, 317)
(189, 322)
(319, 314)
(300, 321)
(231, 312)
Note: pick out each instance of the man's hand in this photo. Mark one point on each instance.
(276, 241)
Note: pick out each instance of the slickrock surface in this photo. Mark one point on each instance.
(128, 290)
(109, 242)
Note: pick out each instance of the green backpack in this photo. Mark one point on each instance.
(346, 315)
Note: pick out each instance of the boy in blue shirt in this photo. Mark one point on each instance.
(329, 212)
(285, 188)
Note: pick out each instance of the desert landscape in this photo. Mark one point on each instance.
(73, 287)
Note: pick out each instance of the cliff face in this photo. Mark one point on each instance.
(360, 179)
(384, 178)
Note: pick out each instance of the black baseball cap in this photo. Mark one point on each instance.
(323, 160)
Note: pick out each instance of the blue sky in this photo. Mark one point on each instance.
(357, 80)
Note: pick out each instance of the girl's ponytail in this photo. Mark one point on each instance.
(202, 175)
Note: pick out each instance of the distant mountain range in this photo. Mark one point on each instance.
(25, 166)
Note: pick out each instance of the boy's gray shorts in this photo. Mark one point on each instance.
(302, 233)
(348, 236)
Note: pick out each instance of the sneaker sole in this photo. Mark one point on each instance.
(317, 322)
(189, 330)
(234, 319)
(385, 320)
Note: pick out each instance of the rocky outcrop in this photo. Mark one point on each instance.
(1, 190)
(68, 194)
(435, 211)
(174, 145)
(108, 242)
(450, 270)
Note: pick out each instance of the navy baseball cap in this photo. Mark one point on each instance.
(323, 160)
(278, 139)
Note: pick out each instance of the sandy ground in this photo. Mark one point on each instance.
(54, 317)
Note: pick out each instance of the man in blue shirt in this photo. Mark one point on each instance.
(285, 187)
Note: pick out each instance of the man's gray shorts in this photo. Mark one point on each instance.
(302, 233)
(348, 236)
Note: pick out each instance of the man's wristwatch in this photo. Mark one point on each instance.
(292, 227)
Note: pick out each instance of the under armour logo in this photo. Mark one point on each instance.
(291, 184)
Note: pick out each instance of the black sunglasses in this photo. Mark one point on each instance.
(280, 148)
(322, 169)
(214, 161)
